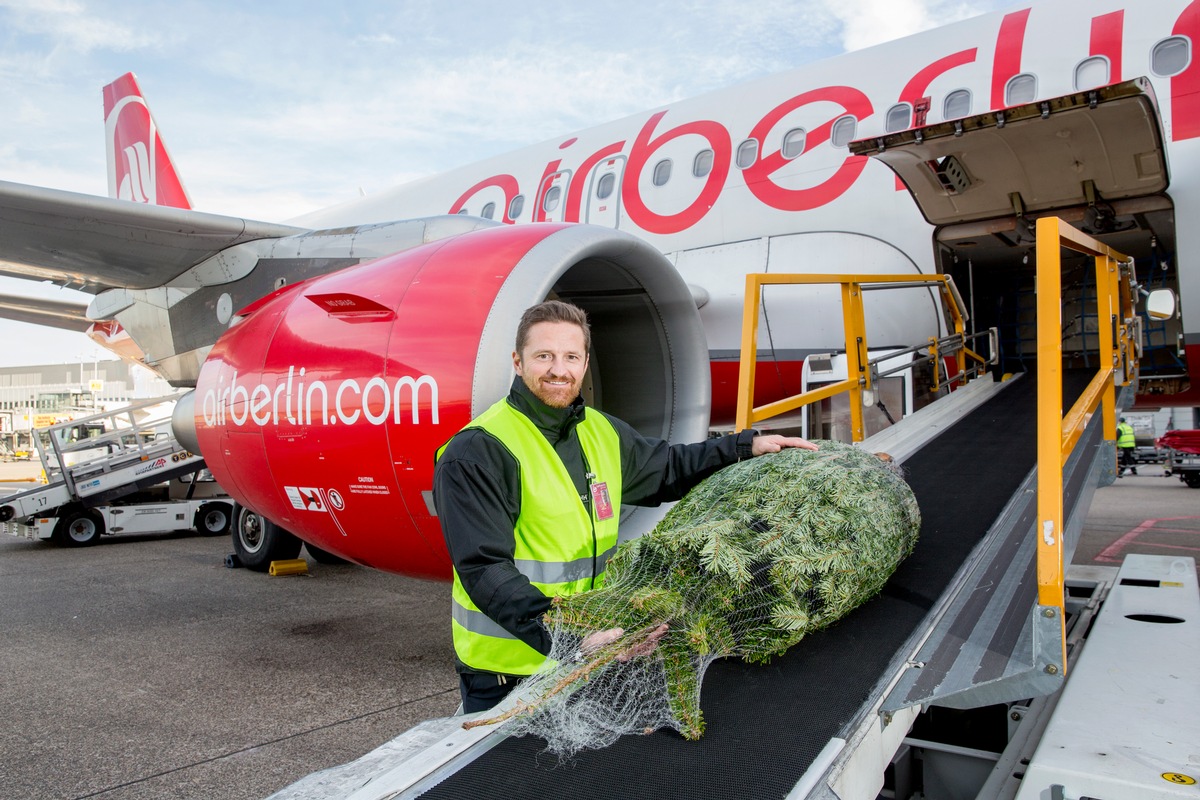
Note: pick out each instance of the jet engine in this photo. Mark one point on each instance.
(321, 408)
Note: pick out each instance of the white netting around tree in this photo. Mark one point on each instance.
(753, 559)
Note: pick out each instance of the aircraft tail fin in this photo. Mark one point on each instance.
(139, 167)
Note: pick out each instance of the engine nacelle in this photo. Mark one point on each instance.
(323, 407)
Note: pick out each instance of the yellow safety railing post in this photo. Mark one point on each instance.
(935, 354)
(1049, 415)
(1108, 322)
(856, 355)
(749, 354)
(956, 316)
(1125, 302)
(1058, 433)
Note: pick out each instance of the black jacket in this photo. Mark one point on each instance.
(477, 492)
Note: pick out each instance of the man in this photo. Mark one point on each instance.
(529, 497)
(1126, 446)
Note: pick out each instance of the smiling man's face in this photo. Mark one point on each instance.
(553, 362)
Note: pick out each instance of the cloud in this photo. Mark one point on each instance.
(869, 22)
(70, 26)
(443, 85)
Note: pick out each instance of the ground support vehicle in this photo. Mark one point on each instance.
(120, 472)
(1183, 455)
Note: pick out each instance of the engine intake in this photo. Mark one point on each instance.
(322, 408)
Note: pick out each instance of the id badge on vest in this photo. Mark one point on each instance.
(601, 501)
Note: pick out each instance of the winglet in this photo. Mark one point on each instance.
(139, 167)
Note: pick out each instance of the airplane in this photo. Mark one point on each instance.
(332, 354)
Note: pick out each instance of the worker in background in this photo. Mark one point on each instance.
(529, 497)
(1126, 445)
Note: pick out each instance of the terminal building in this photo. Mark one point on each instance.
(36, 396)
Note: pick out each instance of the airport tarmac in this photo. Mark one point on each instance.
(143, 668)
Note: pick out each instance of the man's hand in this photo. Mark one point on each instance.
(773, 443)
(594, 641)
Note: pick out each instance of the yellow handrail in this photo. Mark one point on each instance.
(1057, 434)
(854, 323)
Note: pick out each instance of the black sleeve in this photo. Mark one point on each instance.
(476, 490)
(655, 472)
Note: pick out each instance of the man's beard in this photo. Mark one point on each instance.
(553, 396)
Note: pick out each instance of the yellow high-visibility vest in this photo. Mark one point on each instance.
(561, 547)
(1125, 437)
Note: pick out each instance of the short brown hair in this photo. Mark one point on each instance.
(553, 311)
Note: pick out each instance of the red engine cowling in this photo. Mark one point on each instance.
(322, 408)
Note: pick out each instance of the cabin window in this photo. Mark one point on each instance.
(604, 187)
(516, 206)
(1171, 56)
(899, 117)
(843, 131)
(489, 211)
(662, 172)
(1020, 89)
(702, 164)
(793, 143)
(1091, 72)
(957, 104)
(747, 152)
(550, 201)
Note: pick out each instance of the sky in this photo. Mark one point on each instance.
(274, 109)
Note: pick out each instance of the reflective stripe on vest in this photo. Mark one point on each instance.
(558, 545)
(1125, 435)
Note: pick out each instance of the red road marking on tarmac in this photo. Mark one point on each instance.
(1112, 553)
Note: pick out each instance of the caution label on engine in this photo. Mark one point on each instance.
(305, 498)
(1178, 778)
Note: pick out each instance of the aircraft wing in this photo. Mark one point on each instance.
(95, 243)
(52, 313)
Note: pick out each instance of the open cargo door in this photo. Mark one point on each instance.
(1103, 144)
(1095, 158)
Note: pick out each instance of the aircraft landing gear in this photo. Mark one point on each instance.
(257, 541)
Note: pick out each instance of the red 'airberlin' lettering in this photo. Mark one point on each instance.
(1106, 41)
(506, 183)
(579, 182)
(1185, 87)
(1007, 62)
(643, 149)
(915, 89)
(758, 174)
(539, 202)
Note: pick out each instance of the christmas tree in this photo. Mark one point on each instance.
(753, 559)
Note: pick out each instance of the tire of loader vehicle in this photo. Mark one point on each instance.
(78, 528)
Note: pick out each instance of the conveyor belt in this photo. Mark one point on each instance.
(766, 724)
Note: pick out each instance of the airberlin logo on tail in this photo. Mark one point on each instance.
(132, 136)
(296, 401)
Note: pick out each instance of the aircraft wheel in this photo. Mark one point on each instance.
(257, 541)
(212, 519)
(79, 529)
(1192, 479)
(323, 556)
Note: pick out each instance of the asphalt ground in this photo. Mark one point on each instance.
(144, 668)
